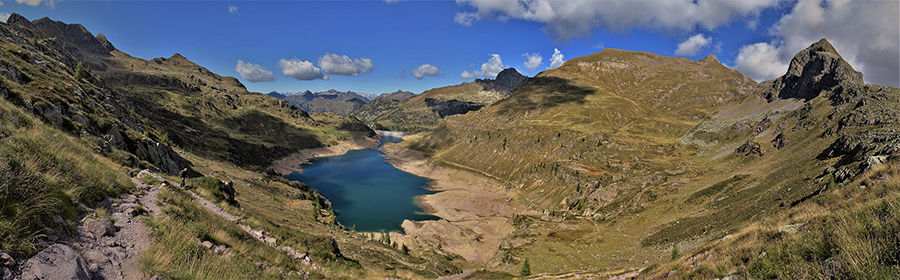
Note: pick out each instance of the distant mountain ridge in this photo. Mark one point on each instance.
(424, 111)
(330, 101)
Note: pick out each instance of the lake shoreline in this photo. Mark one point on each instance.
(293, 163)
(476, 211)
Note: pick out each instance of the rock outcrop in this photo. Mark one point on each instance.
(813, 70)
(56, 262)
(74, 34)
(506, 81)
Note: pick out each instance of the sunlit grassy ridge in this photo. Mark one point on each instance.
(625, 155)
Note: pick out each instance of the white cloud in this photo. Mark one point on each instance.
(343, 65)
(489, 69)
(533, 61)
(391, 1)
(692, 45)
(865, 33)
(253, 72)
(599, 46)
(49, 3)
(29, 2)
(556, 60)
(300, 70)
(759, 62)
(232, 9)
(4, 17)
(465, 19)
(426, 70)
(566, 19)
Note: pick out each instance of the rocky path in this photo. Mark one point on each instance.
(214, 208)
(109, 246)
(103, 246)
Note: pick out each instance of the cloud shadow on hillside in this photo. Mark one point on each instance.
(543, 92)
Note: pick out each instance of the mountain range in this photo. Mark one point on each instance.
(424, 111)
(616, 164)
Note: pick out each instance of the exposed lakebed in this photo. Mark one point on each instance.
(366, 191)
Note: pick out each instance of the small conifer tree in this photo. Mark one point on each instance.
(526, 269)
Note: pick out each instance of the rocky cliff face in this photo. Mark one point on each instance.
(814, 69)
(509, 78)
(506, 81)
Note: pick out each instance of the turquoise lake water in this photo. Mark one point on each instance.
(365, 190)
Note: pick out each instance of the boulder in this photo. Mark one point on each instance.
(94, 229)
(7, 260)
(56, 262)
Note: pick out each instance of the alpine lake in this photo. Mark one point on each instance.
(365, 191)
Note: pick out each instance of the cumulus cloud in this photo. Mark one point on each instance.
(566, 19)
(760, 61)
(4, 17)
(692, 45)
(343, 65)
(489, 69)
(253, 72)
(232, 9)
(426, 70)
(533, 61)
(556, 60)
(865, 33)
(300, 70)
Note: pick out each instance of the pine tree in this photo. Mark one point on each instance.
(79, 71)
(675, 251)
(526, 269)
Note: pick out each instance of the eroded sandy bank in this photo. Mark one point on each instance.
(476, 211)
(293, 162)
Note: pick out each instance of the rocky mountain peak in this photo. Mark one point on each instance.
(814, 69)
(711, 58)
(106, 44)
(74, 34)
(510, 77)
(15, 18)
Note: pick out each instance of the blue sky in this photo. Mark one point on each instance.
(378, 46)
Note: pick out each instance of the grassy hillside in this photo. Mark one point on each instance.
(624, 156)
(216, 116)
(45, 173)
(421, 112)
(75, 128)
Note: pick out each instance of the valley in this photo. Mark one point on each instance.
(615, 164)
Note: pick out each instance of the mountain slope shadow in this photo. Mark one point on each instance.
(543, 92)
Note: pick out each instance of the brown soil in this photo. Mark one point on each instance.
(292, 163)
(475, 211)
